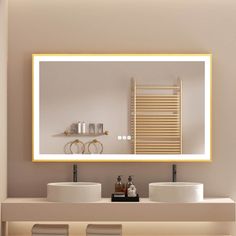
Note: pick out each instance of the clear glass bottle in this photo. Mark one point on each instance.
(79, 128)
(83, 127)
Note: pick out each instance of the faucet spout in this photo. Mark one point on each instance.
(174, 173)
(75, 173)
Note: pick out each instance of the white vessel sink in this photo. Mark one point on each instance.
(176, 192)
(74, 192)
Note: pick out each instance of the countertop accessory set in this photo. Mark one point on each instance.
(125, 192)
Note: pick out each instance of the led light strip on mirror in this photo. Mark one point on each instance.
(141, 103)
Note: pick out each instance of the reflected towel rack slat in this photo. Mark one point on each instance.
(156, 121)
(152, 87)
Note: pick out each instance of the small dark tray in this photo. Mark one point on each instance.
(124, 199)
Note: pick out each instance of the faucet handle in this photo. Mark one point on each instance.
(174, 172)
(75, 173)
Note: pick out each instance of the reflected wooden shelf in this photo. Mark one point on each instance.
(81, 134)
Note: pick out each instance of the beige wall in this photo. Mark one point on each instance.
(124, 26)
(3, 101)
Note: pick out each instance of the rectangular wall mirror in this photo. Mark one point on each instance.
(121, 108)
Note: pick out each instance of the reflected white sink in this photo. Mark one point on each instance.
(176, 192)
(74, 192)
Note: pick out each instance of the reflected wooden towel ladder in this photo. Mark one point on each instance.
(156, 118)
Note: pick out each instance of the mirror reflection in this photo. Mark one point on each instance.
(90, 108)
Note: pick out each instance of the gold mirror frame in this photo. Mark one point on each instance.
(37, 157)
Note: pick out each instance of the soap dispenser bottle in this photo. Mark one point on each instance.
(119, 186)
(129, 183)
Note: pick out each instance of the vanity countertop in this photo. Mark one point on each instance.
(39, 209)
(108, 200)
